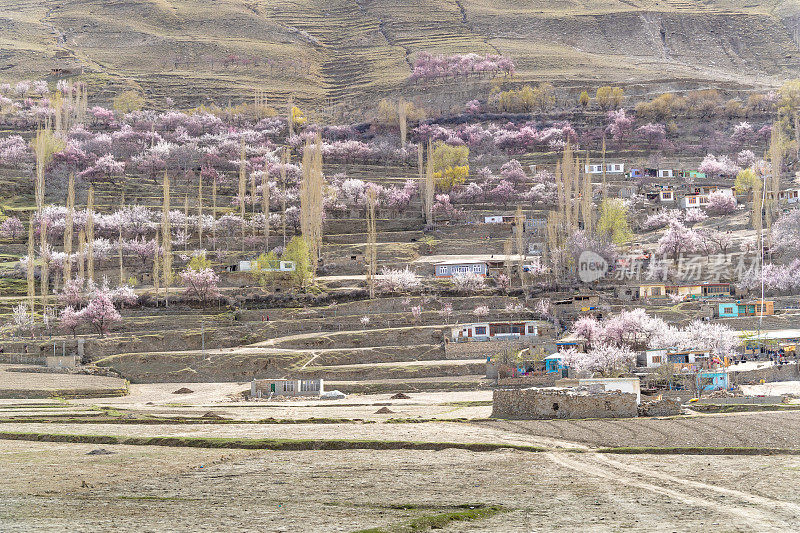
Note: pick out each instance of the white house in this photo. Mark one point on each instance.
(274, 266)
(499, 219)
(611, 168)
(485, 331)
(694, 200)
(652, 358)
(449, 269)
(260, 388)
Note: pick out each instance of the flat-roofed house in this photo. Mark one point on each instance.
(449, 269)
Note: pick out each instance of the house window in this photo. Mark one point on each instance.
(728, 310)
(442, 270)
(476, 268)
(532, 330)
(655, 291)
(480, 330)
(656, 358)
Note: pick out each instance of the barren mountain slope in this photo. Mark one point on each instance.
(327, 51)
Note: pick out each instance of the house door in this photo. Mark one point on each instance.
(272, 387)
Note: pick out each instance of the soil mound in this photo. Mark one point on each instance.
(183, 390)
(400, 396)
(384, 411)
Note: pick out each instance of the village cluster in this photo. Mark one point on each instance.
(680, 277)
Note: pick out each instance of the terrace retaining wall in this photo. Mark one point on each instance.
(537, 404)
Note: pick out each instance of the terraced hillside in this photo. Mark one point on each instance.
(355, 51)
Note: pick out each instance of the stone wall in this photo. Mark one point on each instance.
(535, 404)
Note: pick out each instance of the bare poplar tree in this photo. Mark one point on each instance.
(430, 186)
(372, 241)
(90, 235)
(311, 213)
(290, 120)
(82, 256)
(604, 185)
(421, 169)
(265, 207)
(166, 237)
(186, 221)
(587, 207)
(576, 198)
(242, 187)
(284, 162)
(200, 210)
(68, 225)
(44, 272)
(776, 160)
(508, 245)
(30, 274)
(402, 119)
(214, 211)
(519, 234)
(156, 264)
(121, 264)
(253, 203)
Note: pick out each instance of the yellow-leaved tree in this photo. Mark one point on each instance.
(450, 165)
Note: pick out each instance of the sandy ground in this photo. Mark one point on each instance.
(350, 490)
(62, 487)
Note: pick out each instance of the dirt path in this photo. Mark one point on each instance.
(769, 515)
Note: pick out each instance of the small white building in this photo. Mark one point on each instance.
(274, 266)
(265, 388)
(652, 358)
(485, 331)
(694, 200)
(666, 173)
(611, 168)
(499, 219)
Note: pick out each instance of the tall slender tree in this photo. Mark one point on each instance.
(265, 208)
(430, 186)
(157, 259)
(242, 187)
(214, 211)
(372, 241)
(200, 210)
(90, 236)
(68, 226)
(30, 272)
(519, 239)
(82, 255)
(402, 112)
(166, 238)
(311, 208)
(285, 162)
